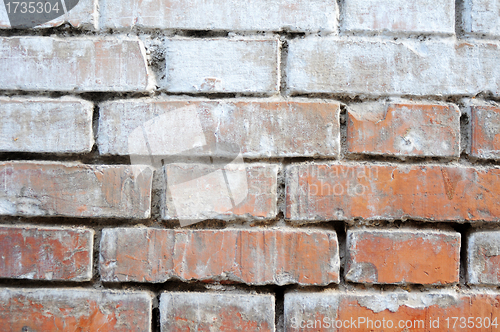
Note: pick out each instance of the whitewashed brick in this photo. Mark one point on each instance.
(72, 64)
(83, 15)
(260, 15)
(383, 67)
(481, 17)
(221, 65)
(420, 16)
(46, 125)
(75, 190)
(260, 128)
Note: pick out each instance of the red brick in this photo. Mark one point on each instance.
(46, 253)
(257, 257)
(416, 312)
(72, 64)
(64, 309)
(74, 190)
(396, 256)
(404, 129)
(216, 312)
(316, 192)
(260, 128)
(191, 198)
(483, 258)
(485, 127)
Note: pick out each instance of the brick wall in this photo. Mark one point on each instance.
(283, 165)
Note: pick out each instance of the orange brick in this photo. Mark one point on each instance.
(257, 257)
(485, 123)
(404, 129)
(74, 190)
(392, 311)
(182, 311)
(64, 309)
(318, 192)
(45, 253)
(403, 256)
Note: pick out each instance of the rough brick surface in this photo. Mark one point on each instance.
(221, 65)
(72, 64)
(196, 192)
(481, 17)
(257, 257)
(53, 189)
(485, 129)
(404, 129)
(65, 309)
(46, 125)
(421, 16)
(46, 253)
(260, 15)
(376, 192)
(259, 128)
(392, 311)
(181, 311)
(81, 16)
(483, 258)
(383, 67)
(396, 256)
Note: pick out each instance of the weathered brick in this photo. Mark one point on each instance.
(46, 253)
(81, 16)
(221, 65)
(384, 192)
(72, 64)
(398, 256)
(195, 192)
(74, 190)
(182, 311)
(485, 129)
(64, 309)
(258, 15)
(259, 128)
(421, 16)
(481, 17)
(483, 258)
(257, 257)
(46, 125)
(404, 129)
(392, 311)
(383, 67)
